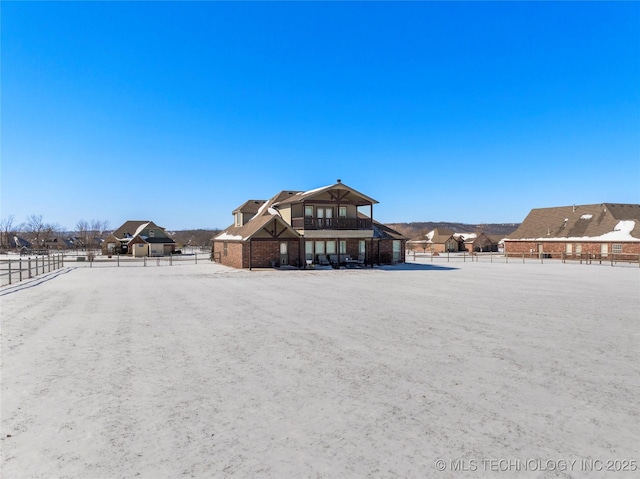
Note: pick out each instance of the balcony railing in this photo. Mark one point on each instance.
(332, 223)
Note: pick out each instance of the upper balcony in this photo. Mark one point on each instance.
(309, 223)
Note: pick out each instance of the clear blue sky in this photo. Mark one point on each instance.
(442, 111)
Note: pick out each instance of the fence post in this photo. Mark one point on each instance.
(20, 266)
(448, 256)
(196, 255)
(29, 267)
(118, 256)
(464, 257)
(144, 260)
(523, 257)
(9, 271)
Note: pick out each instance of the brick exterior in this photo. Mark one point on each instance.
(263, 251)
(558, 249)
(266, 251)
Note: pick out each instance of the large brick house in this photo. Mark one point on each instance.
(572, 231)
(139, 238)
(332, 225)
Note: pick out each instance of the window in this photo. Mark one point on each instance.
(238, 219)
(308, 249)
(397, 250)
(225, 249)
(319, 247)
(361, 246)
(616, 249)
(343, 247)
(568, 247)
(342, 212)
(331, 247)
(151, 233)
(578, 248)
(308, 211)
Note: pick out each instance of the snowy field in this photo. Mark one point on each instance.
(417, 371)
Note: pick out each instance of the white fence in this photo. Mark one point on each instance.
(15, 270)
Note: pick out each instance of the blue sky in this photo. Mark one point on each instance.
(178, 112)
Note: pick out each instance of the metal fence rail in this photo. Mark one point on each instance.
(92, 261)
(612, 259)
(15, 270)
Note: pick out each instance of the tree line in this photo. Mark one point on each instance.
(41, 234)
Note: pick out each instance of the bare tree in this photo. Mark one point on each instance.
(6, 229)
(82, 230)
(36, 227)
(96, 230)
(54, 236)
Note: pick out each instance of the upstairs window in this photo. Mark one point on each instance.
(308, 211)
(342, 212)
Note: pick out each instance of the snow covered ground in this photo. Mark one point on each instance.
(419, 370)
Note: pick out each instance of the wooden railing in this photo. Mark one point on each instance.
(332, 223)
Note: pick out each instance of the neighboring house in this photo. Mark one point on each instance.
(323, 226)
(139, 238)
(571, 231)
(16, 242)
(442, 240)
(476, 242)
(59, 243)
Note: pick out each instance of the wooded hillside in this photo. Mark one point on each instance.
(420, 229)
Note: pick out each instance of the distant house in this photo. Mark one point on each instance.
(139, 238)
(325, 226)
(476, 242)
(59, 243)
(443, 240)
(16, 242)
(571, 231)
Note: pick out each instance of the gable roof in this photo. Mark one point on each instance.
(129, 228)
(133, 229)
(249, 207)
(604, 221)
(263, 216)
(354, 196)
(439, 235)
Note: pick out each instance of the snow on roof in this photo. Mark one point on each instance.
(227, 236)
(584, 217)
(315, 190)
(140, 228)
(621, 232)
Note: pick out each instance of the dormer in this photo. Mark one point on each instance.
(246, 211)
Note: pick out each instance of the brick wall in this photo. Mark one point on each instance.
(233, 255)
(557, 248)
